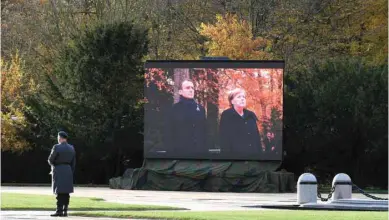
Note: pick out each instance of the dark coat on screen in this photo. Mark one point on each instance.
(185, 129)
(239, 135)
(63, 162)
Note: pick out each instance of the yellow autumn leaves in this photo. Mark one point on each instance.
(233, 38)
(13, 87)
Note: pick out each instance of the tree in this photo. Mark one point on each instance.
(372, 27)
(303, 31)
(97, 85)
(233, 38)
(15, 87)
(333, 126)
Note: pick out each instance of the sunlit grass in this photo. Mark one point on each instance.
(16, 201)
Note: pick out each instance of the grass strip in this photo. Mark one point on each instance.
(17, 201)
(247, 215)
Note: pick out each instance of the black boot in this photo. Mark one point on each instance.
(58, 212)
(66, 204)
(65, 211)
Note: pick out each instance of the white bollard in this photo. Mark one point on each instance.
(306, 189)
(343, 187)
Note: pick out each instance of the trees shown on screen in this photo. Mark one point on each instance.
(159, 96)
(160, 78)
(263, 95)
(207, 87)
(272, 132)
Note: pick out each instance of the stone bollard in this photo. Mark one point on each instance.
(343, 187)
(306, 189)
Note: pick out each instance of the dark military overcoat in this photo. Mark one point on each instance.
(63, 161)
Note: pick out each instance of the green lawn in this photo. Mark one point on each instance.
(16, 201)
(246, 215)
(85, 207)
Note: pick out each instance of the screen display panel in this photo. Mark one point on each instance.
(212, 109)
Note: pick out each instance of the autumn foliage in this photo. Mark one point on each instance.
(233, 38)
(14, 86)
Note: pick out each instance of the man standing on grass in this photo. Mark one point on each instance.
(62, 160)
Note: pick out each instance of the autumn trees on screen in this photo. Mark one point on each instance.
(264, 92)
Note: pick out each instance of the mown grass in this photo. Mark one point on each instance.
(16, 201)
(246, 215)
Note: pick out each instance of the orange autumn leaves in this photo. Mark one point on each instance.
(160, 78)
(263, 90)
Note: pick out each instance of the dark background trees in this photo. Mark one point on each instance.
(336, 121)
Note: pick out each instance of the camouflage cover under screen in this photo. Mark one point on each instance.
(177, 175)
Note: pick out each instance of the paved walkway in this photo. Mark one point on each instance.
(195, 201)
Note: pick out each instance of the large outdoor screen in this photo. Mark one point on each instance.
(227, 110)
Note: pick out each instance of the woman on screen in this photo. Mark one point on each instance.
(238, 127)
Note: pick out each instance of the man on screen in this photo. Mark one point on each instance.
(186, 124)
